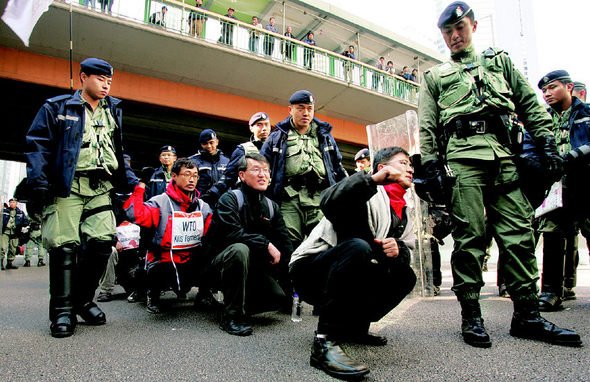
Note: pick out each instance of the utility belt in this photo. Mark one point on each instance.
(507, 132)
(309, 180)
(95, 177)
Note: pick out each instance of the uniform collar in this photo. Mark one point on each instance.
(467, 55)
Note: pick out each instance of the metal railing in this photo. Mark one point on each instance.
(188, 20)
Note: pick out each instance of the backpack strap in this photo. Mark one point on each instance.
(240, 196)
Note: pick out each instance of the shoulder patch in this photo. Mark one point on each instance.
(492, 51)
(59, 98)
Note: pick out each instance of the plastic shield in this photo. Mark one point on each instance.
(403, 131)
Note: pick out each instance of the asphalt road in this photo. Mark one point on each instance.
(187, 345)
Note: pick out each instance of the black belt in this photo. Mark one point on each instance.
(309, 180)
(94, 177)
(467, 126)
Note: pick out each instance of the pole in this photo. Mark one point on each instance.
(71, 52)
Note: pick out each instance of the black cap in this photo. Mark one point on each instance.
(260, 116)
(96, 66)
(579, 85)
(207, 135)
(126, 157)
(362, 154)
(556, 75)
(167, 148)
(454, 13)
(301, 96)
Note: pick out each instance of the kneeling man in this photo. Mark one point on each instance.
(178, 220)
(248, 233)
(355, 265)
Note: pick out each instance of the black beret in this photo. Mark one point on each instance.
(579, 85)
(126, 157)
(362, 154)
(167, 148)
(556, 75)
(96, 66)
(207, 135)
(454, 13)
(301, 96)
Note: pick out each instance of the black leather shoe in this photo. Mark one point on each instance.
(235, 326)
(152, 305)
(503, 291)
(63, 326)
(550, 302)
(569, 294)
(474, 333)
(328, 356)
(532, 326)
(366, 339)
(9, 265)
(104, 297)
(40, 263)
(27, 263)
(92, 314)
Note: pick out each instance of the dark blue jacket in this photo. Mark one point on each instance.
(53, 146)
(20, 219)
(579, 124)
(275, 150)
(229, 178)
(211, 168)
(157, 184)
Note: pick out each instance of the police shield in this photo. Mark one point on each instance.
(403, 131)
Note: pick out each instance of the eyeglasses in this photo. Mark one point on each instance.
(190, 175)
(405, 163)
(258, 170)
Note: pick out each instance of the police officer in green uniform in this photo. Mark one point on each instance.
(74, 161)
(462, 110)
(14, 222)
(304, 161)
(35, 244)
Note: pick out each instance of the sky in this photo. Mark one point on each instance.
(559, 32)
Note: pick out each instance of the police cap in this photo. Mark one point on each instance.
(207, 135)
(301, 96)
(556, 75)
(167, 148)
(96, 66)
(579, 85)
(260, 116)
(454, 13)
(362, 154)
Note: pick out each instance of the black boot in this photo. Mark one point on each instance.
(328, 356)
(2, 264)
(235, 325)
(27, 263)
(40, 263)
(91, 265)
(9, 265)
(472, 329)
(61, 275)
(528, 323)
(152, 303)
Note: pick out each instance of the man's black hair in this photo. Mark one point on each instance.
(243, 164)
(384, 155)
(182, 162)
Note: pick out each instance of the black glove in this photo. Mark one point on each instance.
(431, 182)
(146, 174)
(38, 199)
(553, 162)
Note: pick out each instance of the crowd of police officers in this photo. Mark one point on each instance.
(481, 129)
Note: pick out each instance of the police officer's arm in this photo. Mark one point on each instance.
(140, 213)
(340, 172)
(41, 146)
(428, 112)
(229, 225)
(528, 108)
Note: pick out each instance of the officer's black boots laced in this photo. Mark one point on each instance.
(528, 323)
(472, 329)
(61, 272)
(328, 356)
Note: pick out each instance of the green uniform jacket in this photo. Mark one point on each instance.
(449, 90)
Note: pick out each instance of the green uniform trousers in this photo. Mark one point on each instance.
(34, 245)
(301, 217)
(63, 223)
(490, 187)
(9, 246)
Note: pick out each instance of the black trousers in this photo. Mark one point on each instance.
(246, 281)
(350, 290)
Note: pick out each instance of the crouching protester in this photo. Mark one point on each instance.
(249, 235)
(359, 253)
(178, 220)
